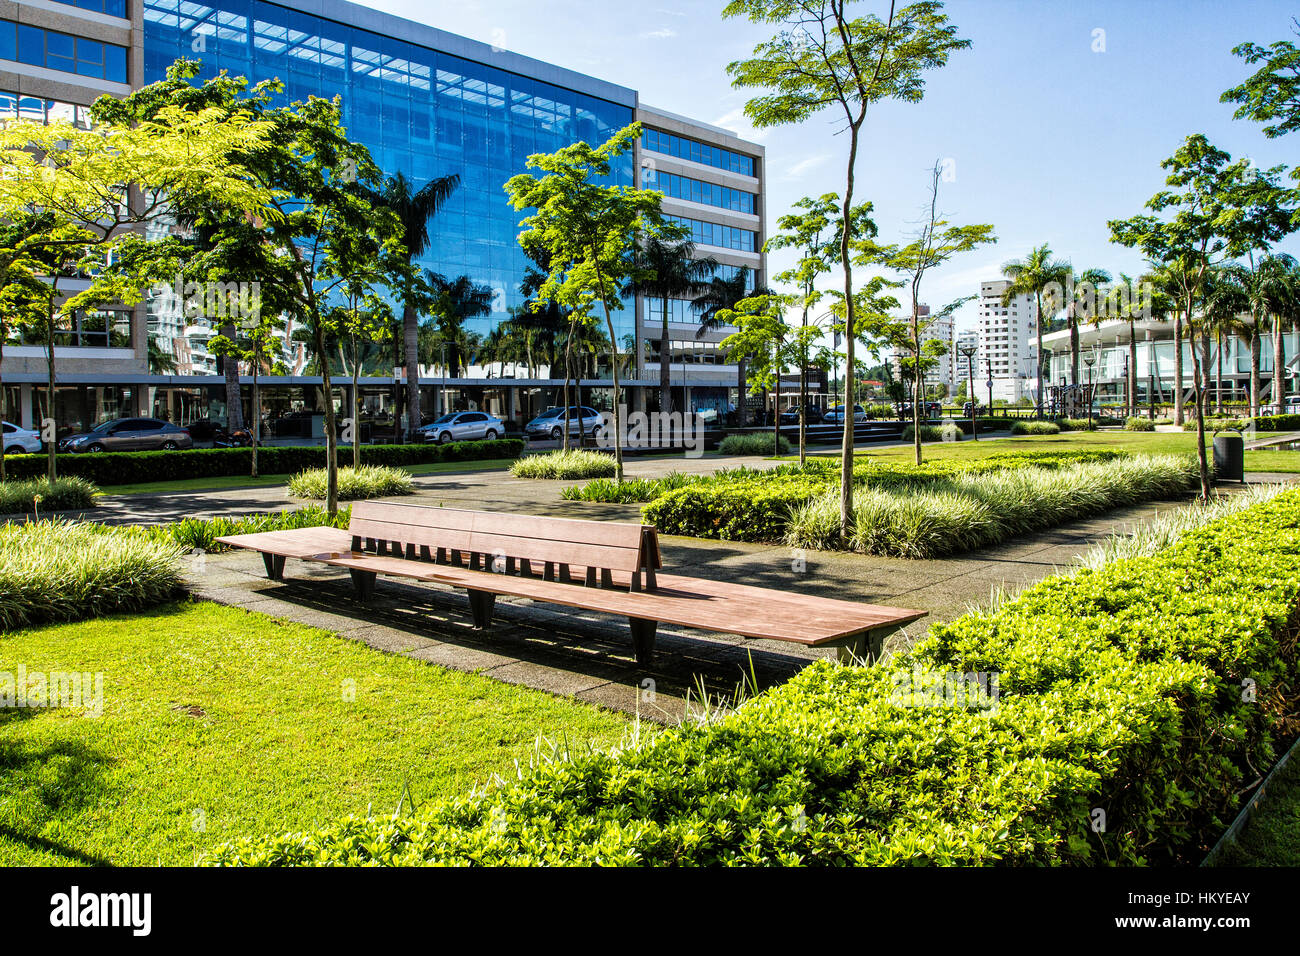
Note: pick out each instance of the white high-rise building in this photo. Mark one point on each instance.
(941, 328)
(1007, 342)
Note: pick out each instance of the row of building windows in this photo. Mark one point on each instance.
(62, 51)
(113, 8)
(688, 352)
(695, 190)
(14, 106)
(697, 152)
(716, 234)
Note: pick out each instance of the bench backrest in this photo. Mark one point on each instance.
(616, 546)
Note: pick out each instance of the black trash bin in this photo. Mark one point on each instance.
(1229, 457)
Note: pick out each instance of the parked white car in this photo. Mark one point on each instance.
(464, 426)
(21, 440)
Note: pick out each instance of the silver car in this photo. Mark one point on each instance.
(464, 426)
(550, 423)
(129, 434)
(21, 440)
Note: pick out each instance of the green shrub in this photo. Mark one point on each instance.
(39, 495)
(1035, 428)
(368, 481)
(564, 465)
(753, 443)
(952, 515)
(1136, 424)
(1118, 689)
(1077, 424)
(56, 570)
(200, 534)
(630, 490)
(948, 431)
(134, 467)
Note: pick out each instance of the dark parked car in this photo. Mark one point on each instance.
(812, 414)
(129, 434)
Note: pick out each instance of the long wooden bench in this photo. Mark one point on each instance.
(609, 567)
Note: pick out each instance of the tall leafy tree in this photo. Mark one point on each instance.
(1214, 211)
(823, 58)
(452, 303)
(414, 209)
(665, 269)
(588, 230)
(1036, 274)
(1270, 95)
(1082, 307)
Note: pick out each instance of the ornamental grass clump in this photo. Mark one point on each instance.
(1136, 424)
(754, 443)
(564, 465)
(41, 496)
(949, 515)
(1035, 428)
(354, 484)
(57, 570)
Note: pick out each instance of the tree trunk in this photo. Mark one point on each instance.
(803, 393)
(918, 383)
(1254, 371)
(256, 431)
(850, 331)
(230, 371)
(1218, 372)
(618, 394)
(1178, 368)
(1132, 369)
(742, 386)
(411, 334)
(52, 468)
(356, 417)
(1279, 368)
(1199, 398)
(1038, 329)
(1074, 349)
(665, 368)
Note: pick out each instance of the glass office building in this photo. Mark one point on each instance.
(426, 103)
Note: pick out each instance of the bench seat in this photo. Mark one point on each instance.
(632, 588)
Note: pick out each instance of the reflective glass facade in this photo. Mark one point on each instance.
(695, 190)
(420, 111)
(682, 147)
(113, 8)
(716, 234)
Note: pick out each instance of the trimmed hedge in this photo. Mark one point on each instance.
(134, 467)
(1119, 689)
(1035, 428)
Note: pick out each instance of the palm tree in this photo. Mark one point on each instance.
(721, 295)
(1268, 289)
(1033, 275)
(667, 270)
(414, 209)
(1226, 298)
(1283, 281)
(453, 302)
(1082, 305)
(160, 362)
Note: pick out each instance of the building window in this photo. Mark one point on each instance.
(716, 234)
(91, 328)
(696, 152)
(113, 8)
(13, 106)
(695, 190)
(62, 51)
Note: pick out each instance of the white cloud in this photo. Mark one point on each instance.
(798, 170)
(664, 34)
(736, 121)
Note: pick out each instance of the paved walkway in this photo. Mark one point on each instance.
(588, 656)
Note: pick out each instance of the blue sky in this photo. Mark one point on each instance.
(1048, 139)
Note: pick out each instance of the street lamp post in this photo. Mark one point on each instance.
(969, 351)
(1090, 360)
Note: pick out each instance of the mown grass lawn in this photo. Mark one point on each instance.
(261, 481)
(1137, 442)
(219, 723)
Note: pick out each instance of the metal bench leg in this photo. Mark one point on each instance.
(480, 605)
(865, 648)
(364, 582)
(274, 566)
(643, 639)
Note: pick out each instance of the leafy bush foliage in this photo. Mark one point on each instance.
(56, 570)
(952, 515)
(1035, 428)
(368, 481)
(564, 465)
(1136, 424)
(753, 443)
(630, 490)
(948, 431)
(1119, 689)
(133, 467)
(39, 495)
